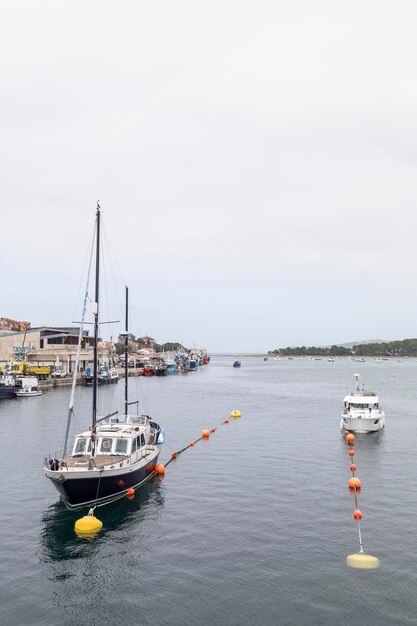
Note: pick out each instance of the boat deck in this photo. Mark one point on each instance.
(98, 461)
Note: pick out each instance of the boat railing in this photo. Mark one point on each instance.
(53, 459)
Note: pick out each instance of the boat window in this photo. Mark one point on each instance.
(142, 440)
(133, 445)
(138, 441)
(121, 446)
(80, 445)
(106, 445)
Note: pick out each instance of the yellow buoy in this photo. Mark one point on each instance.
(362, 561)
(235, 414)
(88, 526)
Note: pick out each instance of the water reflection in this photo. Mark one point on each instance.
(59, 541)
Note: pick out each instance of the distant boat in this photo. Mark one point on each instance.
(361, 411)
(265, 358)
(237, 364)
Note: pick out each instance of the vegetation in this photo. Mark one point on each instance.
(312, 351)
(405, 347)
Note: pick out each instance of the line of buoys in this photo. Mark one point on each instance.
(88, 526)
(359, 560)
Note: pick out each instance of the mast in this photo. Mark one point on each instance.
(126, 347)
(95, 313)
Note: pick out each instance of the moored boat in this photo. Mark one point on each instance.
(113, 454)
(28, 387)
(361, 411)
(7, 387)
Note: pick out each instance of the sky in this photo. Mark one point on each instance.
(255, 163)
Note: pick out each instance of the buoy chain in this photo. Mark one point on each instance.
(89, 525)
(359, 560)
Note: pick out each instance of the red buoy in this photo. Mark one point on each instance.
(213, 430)
(357, 514)
(354, 483)
(191, 443)
(353, 467)
(346, 432)
(351, 453)
(226, 421)
(174, 455)
(160, 469)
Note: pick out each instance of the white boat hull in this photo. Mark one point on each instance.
(361, 424)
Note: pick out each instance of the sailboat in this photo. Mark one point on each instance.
(113, 454)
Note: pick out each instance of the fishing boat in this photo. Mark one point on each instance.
(237, 363)
(192, 364)
(113, 454)
(108, 375)
(361, 411)
(171, 368)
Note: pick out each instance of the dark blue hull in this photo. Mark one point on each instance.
(8, 392)
(79, 491)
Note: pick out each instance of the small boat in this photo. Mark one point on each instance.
(28, 392)
(192, 365)
(361, 411)
(148, 370)
(237, 364)
(171, 368)
(113, 454)
(108, 376)
(160, 370)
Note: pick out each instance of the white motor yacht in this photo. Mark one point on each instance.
(361, 411)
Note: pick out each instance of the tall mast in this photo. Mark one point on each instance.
(126, 347)
(95, 313)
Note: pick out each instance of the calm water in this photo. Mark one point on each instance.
(250, 527)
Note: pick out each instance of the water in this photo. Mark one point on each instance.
(249, 527)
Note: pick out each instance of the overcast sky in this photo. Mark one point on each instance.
(255, 161)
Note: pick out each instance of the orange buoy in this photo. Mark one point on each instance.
(191, 443)
(350, 437)
(130, 491)
(205, 434)
(213, 430)
(160, 469)
(174, 455)
(354, 483)
(226, 421)
(353, 467)
(357, 514)
(351, 453)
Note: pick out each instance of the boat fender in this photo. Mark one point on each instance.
(54, 464)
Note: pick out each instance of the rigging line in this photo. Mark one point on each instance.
(83, 271)
(112, 264)
(77, 358)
